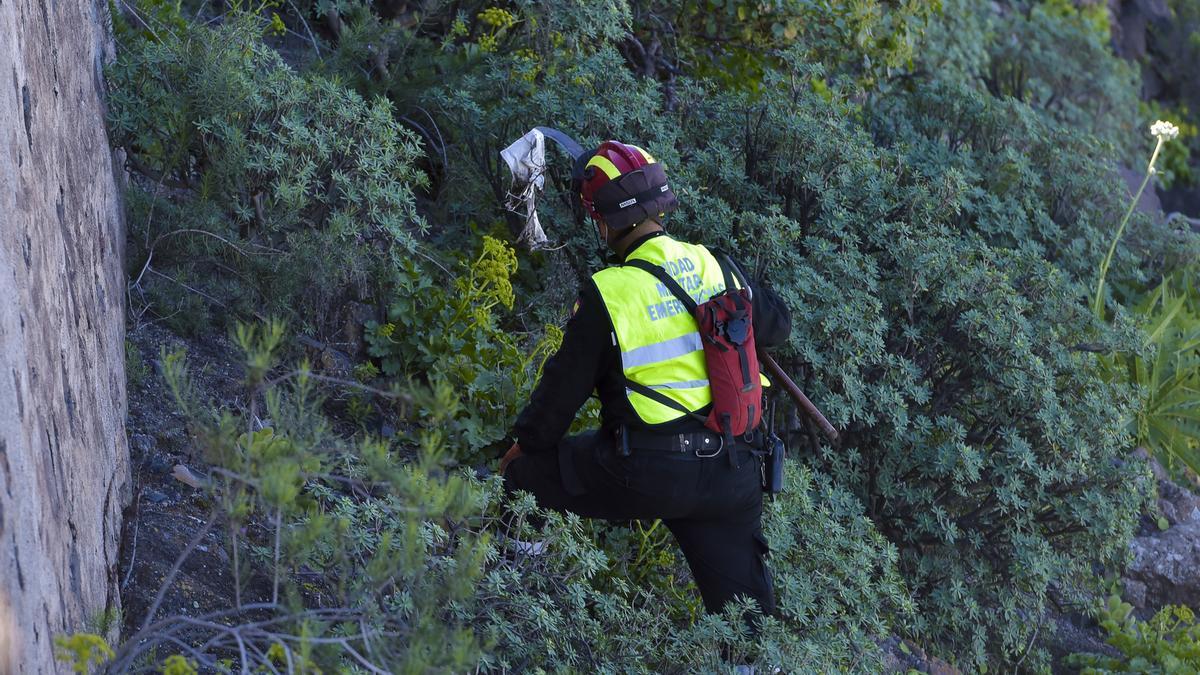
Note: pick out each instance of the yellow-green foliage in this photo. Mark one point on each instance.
(83, 651)
(486, 282)
(136, 370)
(177, 664)
(454, 333)
(1168, 643)
(498, 21)
(1094, 15)
(735, 42)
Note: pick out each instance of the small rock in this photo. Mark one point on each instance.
(1149, 202)
(1184, 506)
(1155, 10)
(1176, 503)
(185, 475)
(154, 496)
(336, 364)
(357, 314)
(1168, 511)
(143, 444)
(157, 464)
(1134, 593)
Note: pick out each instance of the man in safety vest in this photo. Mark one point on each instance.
(648, 460)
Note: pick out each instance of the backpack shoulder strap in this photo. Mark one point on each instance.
(690, 303)
(731, 271)
(668, 281)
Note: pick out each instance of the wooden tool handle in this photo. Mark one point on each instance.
(776, 373)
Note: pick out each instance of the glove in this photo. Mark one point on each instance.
(513, 453)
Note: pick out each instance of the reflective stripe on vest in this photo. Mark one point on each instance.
(662, 351)
(658, 340)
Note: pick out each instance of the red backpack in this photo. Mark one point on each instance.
(726, 325)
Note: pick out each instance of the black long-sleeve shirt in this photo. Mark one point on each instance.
(589, 359)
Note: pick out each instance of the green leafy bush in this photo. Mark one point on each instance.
(836, 577)
(735, 43)
(984, 444)
(449, 333)
(1167, 643)
(934, 246)
(365, 555)
(136, 370)
(936, 330)
(289, 188)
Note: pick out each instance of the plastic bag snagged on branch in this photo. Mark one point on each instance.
(526, 159)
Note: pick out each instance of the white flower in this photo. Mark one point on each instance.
(1164, 131)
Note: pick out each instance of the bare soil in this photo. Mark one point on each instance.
(166, 514)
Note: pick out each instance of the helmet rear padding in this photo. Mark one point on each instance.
(635, 196)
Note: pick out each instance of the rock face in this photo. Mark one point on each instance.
(1149, 201)
(64, 468)
(1165, 569)
(1131, 20)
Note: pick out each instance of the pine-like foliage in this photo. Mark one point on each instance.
(401, 566)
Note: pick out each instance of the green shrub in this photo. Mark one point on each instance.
(935, 247)
(447, 331)
(1167, 643)
(983, 443)
(735, 43)
(1021, 180)
(836, 578)
(1054, 56)
(366, 556)
(289, 188)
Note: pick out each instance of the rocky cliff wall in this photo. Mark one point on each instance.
(63, 458)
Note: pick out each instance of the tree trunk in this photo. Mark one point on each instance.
(64, 463)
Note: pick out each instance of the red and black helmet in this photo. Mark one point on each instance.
(623, 185)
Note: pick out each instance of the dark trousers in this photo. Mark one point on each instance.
(713, 509)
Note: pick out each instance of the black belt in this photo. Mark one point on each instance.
(700, 444)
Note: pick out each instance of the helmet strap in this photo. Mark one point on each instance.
(601, 243)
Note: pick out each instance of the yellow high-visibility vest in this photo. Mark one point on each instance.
(658, 339)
